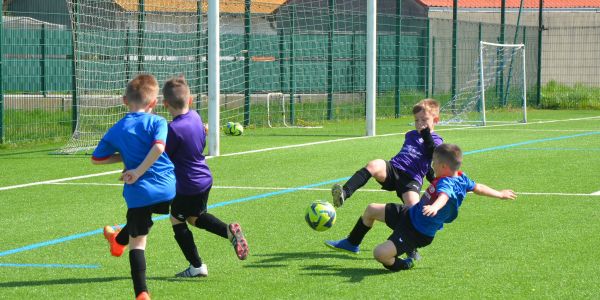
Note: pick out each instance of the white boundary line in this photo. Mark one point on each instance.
(323, 189)
(293, 146)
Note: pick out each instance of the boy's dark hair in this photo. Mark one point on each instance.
(176, 92)
(142, 89)
(428, 105)
(449, 154)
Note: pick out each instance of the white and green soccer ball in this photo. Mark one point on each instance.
(320, 215)
(233, 128)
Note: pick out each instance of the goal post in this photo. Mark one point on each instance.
(496, 90)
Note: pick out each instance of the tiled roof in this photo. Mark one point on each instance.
(230, 6)
(513, 3)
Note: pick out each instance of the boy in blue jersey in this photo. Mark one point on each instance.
(417, 226)
(403, 173)
(138, 140)
(185, 144)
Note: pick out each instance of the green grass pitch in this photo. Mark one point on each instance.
(543, 245)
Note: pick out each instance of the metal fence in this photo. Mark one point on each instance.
(414, 57)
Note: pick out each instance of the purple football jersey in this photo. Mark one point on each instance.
(185, 143)
(411, 159)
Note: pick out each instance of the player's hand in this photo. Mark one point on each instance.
(130, 176)
(508, 194)
(429, 211)
(424, 130)
(205, 128)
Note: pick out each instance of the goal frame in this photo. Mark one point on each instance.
(482, 79)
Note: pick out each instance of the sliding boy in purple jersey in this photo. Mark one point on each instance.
(404, 172)
(417, 226)
(185, 144)
(138, 140)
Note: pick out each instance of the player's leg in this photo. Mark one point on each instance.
(185, 239)
(139, 222)
(410, 198)
(199, 217)
(374, 211)
(386, 253)
(375, 168)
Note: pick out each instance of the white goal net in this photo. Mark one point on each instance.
(496, 90)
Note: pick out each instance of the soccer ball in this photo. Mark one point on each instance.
(320, 215)
(234, 128)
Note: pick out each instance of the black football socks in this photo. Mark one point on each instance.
(360, 178)
(212, 224)
(400, 264)
(358, 232)
(137, 262)
(185, 240)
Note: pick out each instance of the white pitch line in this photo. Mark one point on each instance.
(290, 147)
(323, 189)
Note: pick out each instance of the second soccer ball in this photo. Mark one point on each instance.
(233, 128)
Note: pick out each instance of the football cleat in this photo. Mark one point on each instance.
(191, 271)
(238, 241)
(337, 192)
(110, 235)
(343, 245)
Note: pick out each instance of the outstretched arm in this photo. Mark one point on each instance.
(130, 176)
(432, 209)
(484, 190)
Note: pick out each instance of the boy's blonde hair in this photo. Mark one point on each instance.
(142, 89)
(176, 92)
(430, 106)
(448, 154)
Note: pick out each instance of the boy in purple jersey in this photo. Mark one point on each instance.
(405, 171)
(417, 226)
(138, 140)
(185, 144)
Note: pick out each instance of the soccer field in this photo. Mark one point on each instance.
(542, 245)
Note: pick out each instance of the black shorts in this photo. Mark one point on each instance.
(185, 206)
(405, 237)
(398, 181)
(139, 219)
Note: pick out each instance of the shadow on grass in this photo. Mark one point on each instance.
(64, 281)
(273, 260)
(353, 274)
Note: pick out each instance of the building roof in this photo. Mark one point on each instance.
(230, 6)
(512, 3)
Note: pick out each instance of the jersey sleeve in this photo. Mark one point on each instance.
(444, 186)
(161, 131)
(470, 184)
(104, 149)
(172, 141)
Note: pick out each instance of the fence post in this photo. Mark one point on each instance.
(454, 38)
(1, 73)
(74, 100)
(480, 34)
(426, 60)
(539, 59)
(43, 61)
(281, 35)
(200, 86)
(247, 27)
(127, 57)
(500, 54)
(397, 62)
(141, 27)
(292, 82)
(432, 66)
(331, 4)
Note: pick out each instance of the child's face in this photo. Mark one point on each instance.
(424, 119)
(440, 169)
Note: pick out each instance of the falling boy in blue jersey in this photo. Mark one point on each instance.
(185, 144)
(416, 226)
(405, 171)
(138, 140)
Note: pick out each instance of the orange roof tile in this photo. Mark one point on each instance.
(513, 3)
(230, 6)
